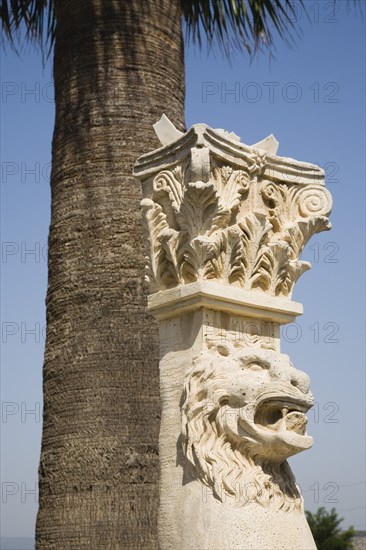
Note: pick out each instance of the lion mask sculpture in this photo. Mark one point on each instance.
(243, 415)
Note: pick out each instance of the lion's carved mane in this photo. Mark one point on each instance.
(220, 462)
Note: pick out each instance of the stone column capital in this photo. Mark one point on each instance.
(216, 209)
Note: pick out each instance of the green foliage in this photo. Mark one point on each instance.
(325, 528)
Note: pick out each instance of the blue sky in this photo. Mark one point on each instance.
(312, 98)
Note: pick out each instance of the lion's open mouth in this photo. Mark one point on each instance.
(282, 416)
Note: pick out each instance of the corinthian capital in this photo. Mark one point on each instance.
(217, 209)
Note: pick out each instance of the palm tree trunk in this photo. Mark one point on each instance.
(117, 67)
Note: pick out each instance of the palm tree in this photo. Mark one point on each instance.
(117, 67)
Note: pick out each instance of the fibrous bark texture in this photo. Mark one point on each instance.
(118, 67)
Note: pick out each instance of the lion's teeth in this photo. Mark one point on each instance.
(281, 419)
(283, 426)
(296, 422)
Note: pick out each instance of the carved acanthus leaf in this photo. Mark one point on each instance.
(195, 220)
(214, 262)
(168, 273)
(230, 186)
(296, 269)
(271, 272)
(246, 241)
(301, 231)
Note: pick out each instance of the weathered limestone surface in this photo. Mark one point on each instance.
(225, 225)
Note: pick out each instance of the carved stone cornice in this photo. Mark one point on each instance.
(217, 209)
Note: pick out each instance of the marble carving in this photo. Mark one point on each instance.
(225, 225)
(243, 415)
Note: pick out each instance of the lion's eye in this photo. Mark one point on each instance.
(256, 366)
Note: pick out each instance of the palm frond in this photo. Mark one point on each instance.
(238, 24)
(232, 24)
(36, 17)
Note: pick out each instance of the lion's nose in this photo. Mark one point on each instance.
(300, 380)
